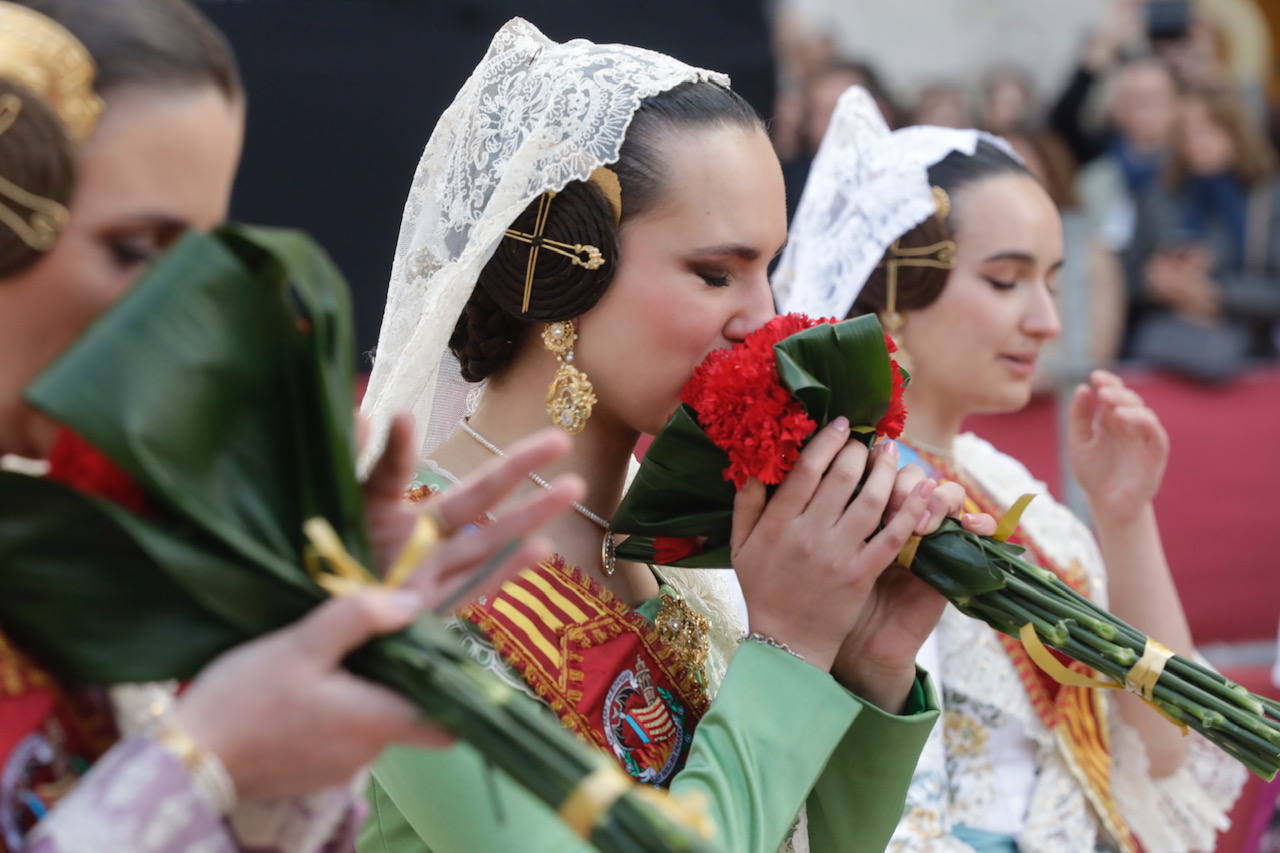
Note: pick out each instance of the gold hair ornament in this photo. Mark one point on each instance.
(606, 180)
(580, 254)
(940, 255)
(48, 217)
(40, 54)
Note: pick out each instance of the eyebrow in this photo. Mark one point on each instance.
(1020, 257)
(1012, 255)
(157, 220)
(736, 250)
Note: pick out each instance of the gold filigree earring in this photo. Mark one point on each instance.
(570, 397)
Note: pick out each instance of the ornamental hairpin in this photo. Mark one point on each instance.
(41, 227)
(939, 255)
(581, 254)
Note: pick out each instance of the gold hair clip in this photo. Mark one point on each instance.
(606, 180)
(580, 254)
(941, 202)
(940, 255)
(39, 231)
(40, 54)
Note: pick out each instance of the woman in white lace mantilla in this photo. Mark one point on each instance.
(948, 238)
(587, 223)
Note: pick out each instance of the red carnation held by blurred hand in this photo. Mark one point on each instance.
(895, 418)
(746, 411)
(83, 467)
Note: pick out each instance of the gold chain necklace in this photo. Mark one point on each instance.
(608, 551)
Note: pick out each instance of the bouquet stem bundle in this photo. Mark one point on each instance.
(987, 580)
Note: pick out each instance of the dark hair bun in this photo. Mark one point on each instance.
(492, 323)
(37, 156)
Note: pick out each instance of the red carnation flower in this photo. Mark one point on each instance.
(671, 549)
(84, 468)
(744, 408)
(895, 417)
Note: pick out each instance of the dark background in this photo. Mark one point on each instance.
(343, 95)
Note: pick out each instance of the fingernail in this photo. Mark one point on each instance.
(840, 424)
(923, 526)
(926, 488)
(407, 601)
(890, 448)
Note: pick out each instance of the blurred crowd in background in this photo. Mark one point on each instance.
(1149, 121)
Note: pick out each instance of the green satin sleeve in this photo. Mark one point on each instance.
(858, 801)
(776, 727)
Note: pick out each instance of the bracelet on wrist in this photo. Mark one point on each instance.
(208, 774)
(765, 639)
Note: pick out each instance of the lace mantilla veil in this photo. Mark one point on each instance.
(867, 187)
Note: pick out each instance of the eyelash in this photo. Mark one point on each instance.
(1001, 285)
(715, 279)
(127, 253)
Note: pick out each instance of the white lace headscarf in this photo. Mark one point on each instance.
(534, 116)
(867, 187)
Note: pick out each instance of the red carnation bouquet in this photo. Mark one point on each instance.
(748, 411)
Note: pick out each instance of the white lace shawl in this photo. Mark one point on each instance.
(1178, 813)
(534, 116)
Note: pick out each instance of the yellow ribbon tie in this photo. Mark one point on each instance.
(1141, 679)
(1008, 524)
(1012, 518)
(1147, 671)
(588, 803)
(689, 810)
(908, 553)
(345, 575)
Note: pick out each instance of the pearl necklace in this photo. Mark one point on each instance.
(946, 453)
(608, 558)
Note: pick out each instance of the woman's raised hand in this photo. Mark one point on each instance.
(281, 712)
(500, 548)
(1116, 446)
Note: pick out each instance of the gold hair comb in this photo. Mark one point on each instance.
(40, 54)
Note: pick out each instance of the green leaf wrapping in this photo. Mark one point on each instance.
(222, 383)
(815, 366)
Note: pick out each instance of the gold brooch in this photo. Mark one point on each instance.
(685, 631)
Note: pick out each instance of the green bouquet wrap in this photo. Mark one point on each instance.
(678, 511)
(222, 384)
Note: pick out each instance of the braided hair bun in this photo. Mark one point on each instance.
(492, 324)
(36, 158)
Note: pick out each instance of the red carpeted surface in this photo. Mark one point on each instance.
(1216, 507)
